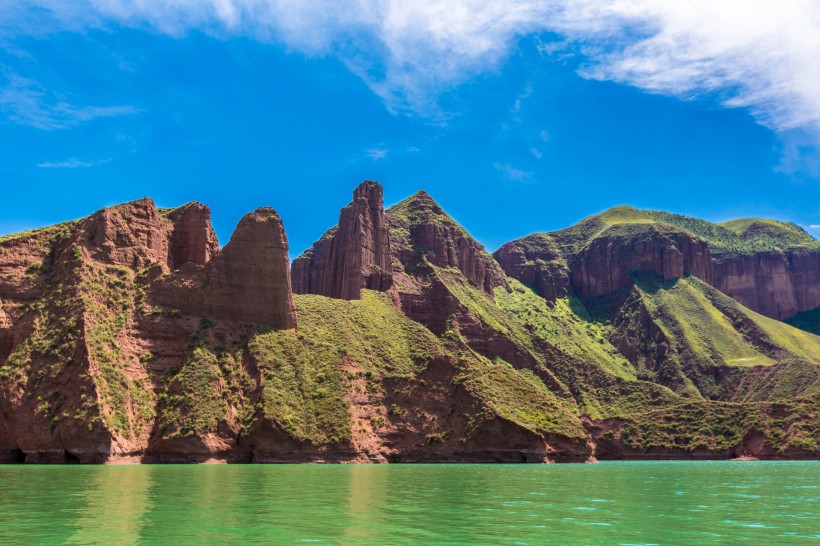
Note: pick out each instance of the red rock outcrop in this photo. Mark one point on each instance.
(248, 281)
(353, 255)
(134, 235)
(421, 229)
(137, 235)
(536, 262)
(192, 238)
(776, 284)
(610, 261)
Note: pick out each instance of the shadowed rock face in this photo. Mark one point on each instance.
(608, 263)
(536, 262)
(136, 235)
(611, 261)
(776, 284)
(353, 255)
(248, 281)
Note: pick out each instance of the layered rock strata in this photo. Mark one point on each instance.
(353, 255)
(248, 281)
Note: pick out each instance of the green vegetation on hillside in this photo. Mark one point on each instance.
(44, 236)
(193, 402)
(742, 236)
(721, 426)
(566, 325)
(108, 295)
(307, 372)
(521, 397)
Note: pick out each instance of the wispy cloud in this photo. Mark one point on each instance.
(508, 172)
(815, 226)
(73, 163)
(755, 54)
(26, 102)
(377, 153)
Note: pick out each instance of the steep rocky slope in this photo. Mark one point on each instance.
(131, 336)
(353, 255)
(771, 267)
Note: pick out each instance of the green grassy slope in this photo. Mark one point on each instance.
(742, 236)
(308, 373)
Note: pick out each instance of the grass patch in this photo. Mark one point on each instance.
(519, 396)
(192, 403)
(306, 371)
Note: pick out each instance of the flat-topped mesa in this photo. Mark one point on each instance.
(353, 255)
(248, 281)
(604, 253)
(422, 230)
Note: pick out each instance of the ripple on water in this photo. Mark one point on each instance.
(632, 503)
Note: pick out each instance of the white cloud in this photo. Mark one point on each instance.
(73, 163)
(815, 226)
(26, 102)
(508, 172)
(376, 153)
(756, 54)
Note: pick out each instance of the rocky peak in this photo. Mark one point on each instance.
(132, 234)
(192, 237)
(248, 281)
(137, 235)
(420, 229)
(353, 255)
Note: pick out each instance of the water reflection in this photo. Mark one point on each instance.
(640, 502)
(116, 498)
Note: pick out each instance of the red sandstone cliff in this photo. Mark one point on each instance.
(353, 255)
(608, 262)
(537, 262)
(611, 260)
(248, 281)
(776, 284)
(77, 350)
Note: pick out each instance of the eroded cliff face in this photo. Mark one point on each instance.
(77, 325)
(353, 255)
(130, 336)
(537, 262)
(608, 262)
(248, 281)
(422, 231)
(192, 239)
(778, 284)
(611, 261)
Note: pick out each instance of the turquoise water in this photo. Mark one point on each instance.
(607, 503)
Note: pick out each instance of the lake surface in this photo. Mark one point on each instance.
(607, 503)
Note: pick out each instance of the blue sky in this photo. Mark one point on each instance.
(514, 122)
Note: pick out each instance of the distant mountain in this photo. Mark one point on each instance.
(131, 336)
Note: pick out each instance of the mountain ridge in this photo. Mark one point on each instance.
(131, 336)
